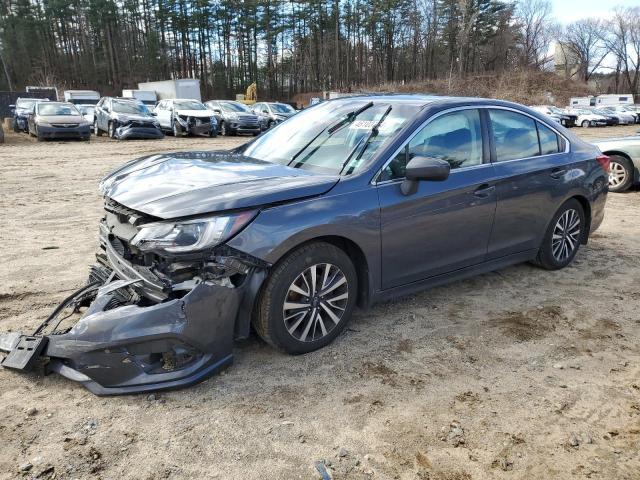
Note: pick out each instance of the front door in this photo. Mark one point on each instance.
(446, 225)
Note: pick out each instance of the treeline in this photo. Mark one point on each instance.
(286, 46)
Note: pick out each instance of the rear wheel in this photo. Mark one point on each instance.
(563, 236)
(620, 173)
(308, 299)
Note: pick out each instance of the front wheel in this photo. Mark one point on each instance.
(176, 130)
(585, 124)
(563, 236)
(38, 135)
(96, 129)
(308, 299)
(620, 173)
(223, 129)
(112, 129)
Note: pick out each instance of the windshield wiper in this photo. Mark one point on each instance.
(364, 141)
(350, 117)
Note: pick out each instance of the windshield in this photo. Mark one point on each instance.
(25, 103)
(189, 105)
(57, 109)
(282, 108)
(124, 106)
(309, 139)
(234, 107)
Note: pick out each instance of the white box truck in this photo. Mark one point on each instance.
(187, 88)
(82, 97)
(148, 97)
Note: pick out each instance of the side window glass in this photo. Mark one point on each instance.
(549, 142)
(455, 137)
(515, 135)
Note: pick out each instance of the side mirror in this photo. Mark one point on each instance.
(217, 110)
(265, 111)
(152, 113)
(424, 168)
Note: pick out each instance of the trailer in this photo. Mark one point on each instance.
(582, 102)
(49, 92)
(184, 88)
(148, 97)
(82, 97)
(614, 99)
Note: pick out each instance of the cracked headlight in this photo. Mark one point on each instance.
(191, 235)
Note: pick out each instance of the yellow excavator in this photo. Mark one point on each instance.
(250, 97)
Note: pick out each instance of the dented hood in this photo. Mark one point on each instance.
(191, 183)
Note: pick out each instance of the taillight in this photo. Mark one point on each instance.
(604, 162)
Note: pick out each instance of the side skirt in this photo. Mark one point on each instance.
(460, 274)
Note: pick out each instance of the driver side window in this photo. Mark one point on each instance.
(455, 137)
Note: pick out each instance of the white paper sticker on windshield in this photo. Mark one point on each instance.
(363, 124)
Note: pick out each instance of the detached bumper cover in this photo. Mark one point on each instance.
(132, 349)
(133, 131)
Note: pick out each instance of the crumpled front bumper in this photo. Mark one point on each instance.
(129, 349)
(158, 343)
(130, 131)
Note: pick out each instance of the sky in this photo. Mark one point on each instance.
(567, 11)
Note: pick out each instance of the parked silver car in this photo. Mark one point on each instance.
(624, 169)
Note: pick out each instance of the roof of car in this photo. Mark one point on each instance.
(422, 99)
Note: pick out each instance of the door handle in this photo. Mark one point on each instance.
(557, 173)
(484, 190)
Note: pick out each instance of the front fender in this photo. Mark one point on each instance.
(354, 216)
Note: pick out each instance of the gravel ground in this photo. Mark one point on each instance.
(516, 374)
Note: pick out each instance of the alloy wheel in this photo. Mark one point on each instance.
(617, 174)
(566, 235)
(315, 302)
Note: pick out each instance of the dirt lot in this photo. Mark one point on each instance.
(517, 374)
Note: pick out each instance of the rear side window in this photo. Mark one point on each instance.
(515, 135)
(549, 142)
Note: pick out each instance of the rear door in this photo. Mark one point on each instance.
(445, 225)
(530, 164)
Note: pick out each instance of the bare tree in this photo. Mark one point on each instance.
(583, 39)
(537, 29)
(622, 38)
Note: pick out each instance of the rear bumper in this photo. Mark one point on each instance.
(128, 131)
(64, 132)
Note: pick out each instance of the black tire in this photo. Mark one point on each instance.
(268, 318)
(16, 129)
(213, 133)
(585, 124)
(112, 129)
(38, 136)
(619, 162)
(270, 124)
(223, 129)
(175, 130)
(96, 129)
(546, 258)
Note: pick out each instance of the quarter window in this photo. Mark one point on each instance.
(455, 137)
(515, 135)
(548, 140)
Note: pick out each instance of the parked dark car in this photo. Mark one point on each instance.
(21, 111)
(123, 118)
(234, 117)
(272, 113)
(347, 203)
(57, 120)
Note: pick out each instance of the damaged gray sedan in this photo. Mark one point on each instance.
(350, 202)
